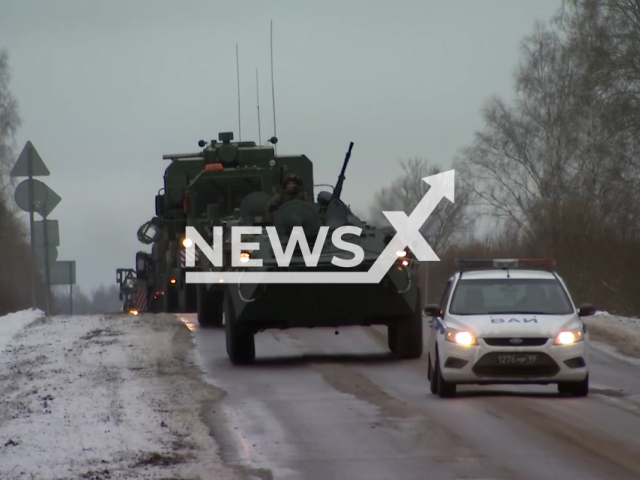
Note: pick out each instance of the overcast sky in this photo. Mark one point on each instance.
(106, 88)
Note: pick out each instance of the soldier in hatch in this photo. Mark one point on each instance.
(291, 189)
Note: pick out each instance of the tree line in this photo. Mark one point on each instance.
(555, 172)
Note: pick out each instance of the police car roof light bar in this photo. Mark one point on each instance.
(504, 263)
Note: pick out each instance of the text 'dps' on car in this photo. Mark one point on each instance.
(507, 321)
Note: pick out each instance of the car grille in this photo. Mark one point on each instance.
(490, 365)
(516, 341)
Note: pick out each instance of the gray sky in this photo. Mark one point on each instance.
(106, 88)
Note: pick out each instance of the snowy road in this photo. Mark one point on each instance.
(319, 406)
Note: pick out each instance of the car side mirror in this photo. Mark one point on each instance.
(586, 310)
(433, 310)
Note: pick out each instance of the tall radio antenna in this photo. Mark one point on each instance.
(258, 102)
(273, 92)
(238, 74)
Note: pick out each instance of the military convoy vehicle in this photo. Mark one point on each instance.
(189, 187)
(397, 301)
(234, 178)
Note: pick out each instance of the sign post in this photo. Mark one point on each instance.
(33, 196)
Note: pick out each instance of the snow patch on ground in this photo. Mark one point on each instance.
(623, 333)
(12, 323)
(102, 397)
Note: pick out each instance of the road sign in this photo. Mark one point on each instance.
(53, 255)
(53, 233)
(63, 272)
(29, 157)
(45, 200)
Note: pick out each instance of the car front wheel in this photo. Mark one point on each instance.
(575, 389)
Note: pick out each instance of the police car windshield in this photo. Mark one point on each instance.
(509, 295)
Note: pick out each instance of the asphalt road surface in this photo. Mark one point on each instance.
(321, 406)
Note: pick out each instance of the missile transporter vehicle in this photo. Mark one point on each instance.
(396, 301)
(227, 174)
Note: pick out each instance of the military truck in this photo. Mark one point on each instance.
(126, 277)
(208, 186)
(138, 290)
(397, 301)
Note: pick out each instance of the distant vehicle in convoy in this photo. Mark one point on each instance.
(507, 321)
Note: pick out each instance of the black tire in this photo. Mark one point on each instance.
(241, 347)
(392, 333)
(170, 299)
(209, 307)
(445, 389)
(575, 389)
(408, 333)
(433, 379)
(191, 293)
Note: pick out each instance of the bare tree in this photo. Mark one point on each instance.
(9, 119)
(406, 191)
(15, 279)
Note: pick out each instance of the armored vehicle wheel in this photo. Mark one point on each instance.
(209, 307)
(241, 347)
(170, 300)
(391, 338)
(406, 333)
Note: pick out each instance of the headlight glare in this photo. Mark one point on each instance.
(460, 337)
(568, 337)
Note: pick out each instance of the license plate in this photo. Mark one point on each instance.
(516, 359)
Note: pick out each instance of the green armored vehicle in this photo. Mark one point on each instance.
(228, 173)
(396, 301)
(192, 182)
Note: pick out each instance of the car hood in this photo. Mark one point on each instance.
(514, 324)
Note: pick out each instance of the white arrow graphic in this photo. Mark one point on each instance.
(408, 235)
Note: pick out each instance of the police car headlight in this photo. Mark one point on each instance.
(461, 337)
(569, 337)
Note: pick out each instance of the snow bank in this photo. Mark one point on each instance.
(12, 323)
(623, 333)
(103, 397)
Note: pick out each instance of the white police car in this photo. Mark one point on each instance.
(507, 322)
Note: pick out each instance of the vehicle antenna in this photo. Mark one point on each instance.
(238, 74)
(273, 92)
(258, 102)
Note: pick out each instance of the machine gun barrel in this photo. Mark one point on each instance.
(337, 191)
(182, 156)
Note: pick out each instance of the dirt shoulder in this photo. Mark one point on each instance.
(97, 398)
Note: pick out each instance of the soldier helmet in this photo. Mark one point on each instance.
(291, 177)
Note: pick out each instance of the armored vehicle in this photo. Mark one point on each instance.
(396, 301)
(227, 174)
(198, 187)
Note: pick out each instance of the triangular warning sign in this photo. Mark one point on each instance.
(29, 159)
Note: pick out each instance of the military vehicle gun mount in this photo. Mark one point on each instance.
(396, 301)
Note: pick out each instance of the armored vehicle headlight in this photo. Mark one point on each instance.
(401, 253)
(245, 257)
(568, 337)
(187, 242)
(461, 337)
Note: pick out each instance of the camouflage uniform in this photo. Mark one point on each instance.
(286, 195)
